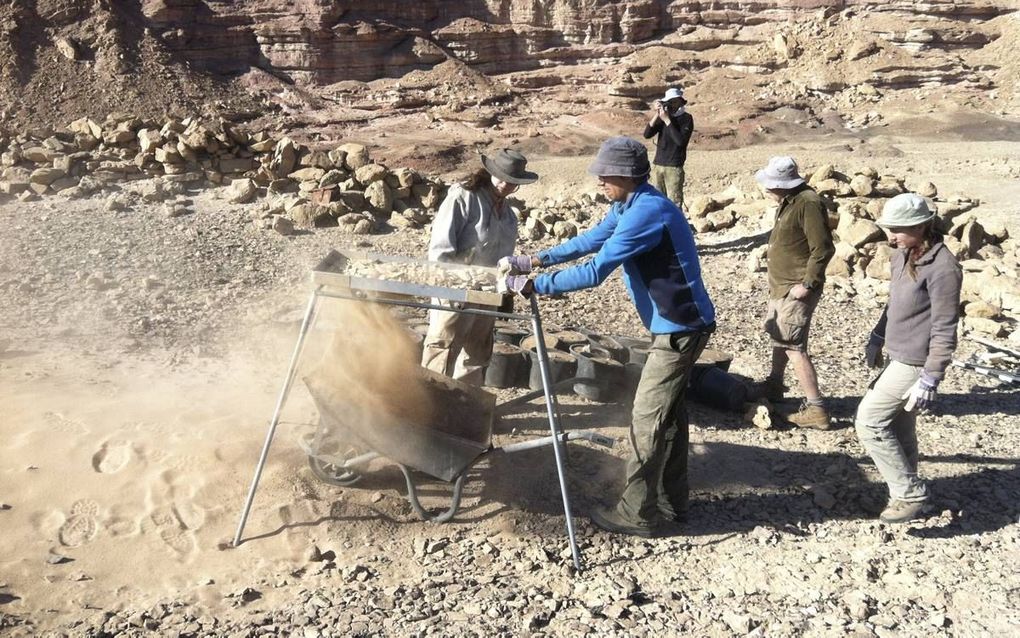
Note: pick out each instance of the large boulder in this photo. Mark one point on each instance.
(862, 185)
(564, 230)
(380, 198)
(284, 158)
(858, 232)
(149, 140)
(307, 174)
(701, 206)
(370, 173)
(722, 219)
(972, 235)
(353, 200)
(309, 215)
(355, 156)
(988, 327)
(880, 265)
(241, 191)
(45, 176)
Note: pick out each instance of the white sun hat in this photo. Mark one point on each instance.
(905, 210)
(673, 93)
(780, 173)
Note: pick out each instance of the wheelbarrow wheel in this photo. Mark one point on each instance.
(333, 474)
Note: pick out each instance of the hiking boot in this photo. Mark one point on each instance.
(898, 511)
(610, 520)
(771, 388)
(811, 416)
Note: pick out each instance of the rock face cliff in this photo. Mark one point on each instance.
(828, 54)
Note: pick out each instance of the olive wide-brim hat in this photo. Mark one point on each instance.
(509, 166)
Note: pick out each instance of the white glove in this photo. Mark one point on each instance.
(922, 394)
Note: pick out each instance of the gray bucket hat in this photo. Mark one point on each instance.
(905, 210)
(780, 173)
(509, 165)
(621, 157)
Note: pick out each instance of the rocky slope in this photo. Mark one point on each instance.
(64, 58)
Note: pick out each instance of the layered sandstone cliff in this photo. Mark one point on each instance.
(770, 51)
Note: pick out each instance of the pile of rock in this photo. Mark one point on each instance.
(562, 219)
(305, 187)
(854, 200)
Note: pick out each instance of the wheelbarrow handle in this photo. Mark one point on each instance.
(412, 496)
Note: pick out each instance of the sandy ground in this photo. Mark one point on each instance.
(129, 455)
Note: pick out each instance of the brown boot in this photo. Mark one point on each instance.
(771, 389)
(810, 416)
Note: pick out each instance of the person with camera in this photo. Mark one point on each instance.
(918, 331)
(673, 125)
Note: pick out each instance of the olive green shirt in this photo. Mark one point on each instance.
(800, 245)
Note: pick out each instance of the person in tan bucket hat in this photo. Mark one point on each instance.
(800, 247)
(474, 225)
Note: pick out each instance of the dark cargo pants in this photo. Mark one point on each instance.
(657, 469)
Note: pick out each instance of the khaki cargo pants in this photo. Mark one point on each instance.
(458, 345)
(889, 433)
(788, 320)
(669, 180)
(659, 434)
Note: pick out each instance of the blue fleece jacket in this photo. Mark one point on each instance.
(649, 235)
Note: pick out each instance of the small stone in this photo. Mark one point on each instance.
(283, 225)
(738, 623)
(759, 416)
(57, 559)
(68, 48)
(823, 498)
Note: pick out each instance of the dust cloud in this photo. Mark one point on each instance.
(371, 367)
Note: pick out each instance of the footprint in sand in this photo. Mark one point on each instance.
(61, 423)
(170, 530)
(80, 526)
(111, 457)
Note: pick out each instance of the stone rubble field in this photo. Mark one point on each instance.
(781, 538)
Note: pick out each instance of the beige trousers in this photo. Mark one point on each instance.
(458, 345)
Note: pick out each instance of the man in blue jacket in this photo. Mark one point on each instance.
(648, 235)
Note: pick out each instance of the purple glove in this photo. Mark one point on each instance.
(518, 284)
(514, 264)
(921, 395)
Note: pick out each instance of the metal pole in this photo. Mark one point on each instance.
(276, 416)
(557, 444)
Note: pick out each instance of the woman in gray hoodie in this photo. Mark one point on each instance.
(918, 331)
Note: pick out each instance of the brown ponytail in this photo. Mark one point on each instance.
(929, 238)
(481, 177)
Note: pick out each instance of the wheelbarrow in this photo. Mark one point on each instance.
(457, 437)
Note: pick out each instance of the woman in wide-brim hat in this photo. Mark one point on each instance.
(475, 225)
(918, 331)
